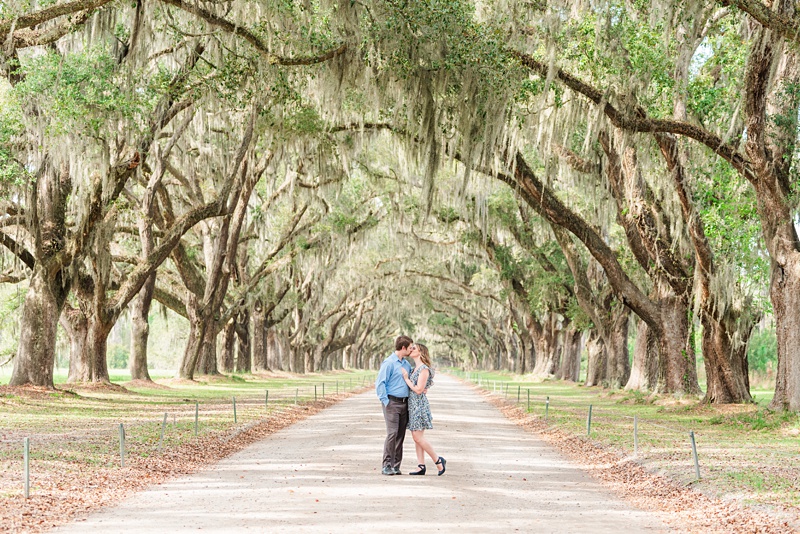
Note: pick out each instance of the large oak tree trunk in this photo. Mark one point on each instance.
(544, 339)
(274, 359)
(39, 317)
(597, 356)
(260, 350)
(785, 297)
(677, 371)
(725, 355)
(76, 326)
(772, 73)
(140, 330)
(207, 362)
(570, 341)
(243, 362)
(226, 358)
(194, 343)
(96, 348)
(619, 366)
(644, 372)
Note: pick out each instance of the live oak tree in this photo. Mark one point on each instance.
(232, 161)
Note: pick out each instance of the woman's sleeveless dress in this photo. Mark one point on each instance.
(419, 411)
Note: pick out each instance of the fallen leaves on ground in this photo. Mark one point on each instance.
(60, 497)
(683, 508)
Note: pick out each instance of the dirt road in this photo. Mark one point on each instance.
(323, 475)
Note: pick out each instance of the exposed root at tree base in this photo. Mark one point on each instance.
(684, 509)
(56, 499)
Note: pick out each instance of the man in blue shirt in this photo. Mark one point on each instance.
(393, 392)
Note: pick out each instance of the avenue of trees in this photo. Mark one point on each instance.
(522, 184)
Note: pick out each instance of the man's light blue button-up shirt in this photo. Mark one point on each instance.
(390, 379)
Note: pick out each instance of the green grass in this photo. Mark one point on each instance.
(744, 451)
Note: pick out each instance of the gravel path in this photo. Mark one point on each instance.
(323, 475)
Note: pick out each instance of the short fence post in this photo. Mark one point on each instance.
(635, 435)
(323, 390)
(529, 401)
(163, 427)
(546, 407)
(337, 387)
(589, 422)
(694, 453)
(26, 461)
(519, 389)
(196, 415)
(315, 393)
(235, 420)
(122, 445)
(266, 400)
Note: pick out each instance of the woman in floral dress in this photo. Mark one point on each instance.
(419, 411)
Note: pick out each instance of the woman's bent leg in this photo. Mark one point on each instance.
(421, 442)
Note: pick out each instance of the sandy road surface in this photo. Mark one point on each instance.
(323, 475)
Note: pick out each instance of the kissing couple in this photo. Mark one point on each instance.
(402, 391)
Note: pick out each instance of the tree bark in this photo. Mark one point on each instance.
(226, 358)
(597, 360)
(677, 371)
(243, 361)
(260, 344)
(274, 350)
(772, 69)
(96, 347)
(76, 326)
(570, 341)
(140, 330)
(785, 297)
(725, 355)
(644, 372)
(207, 362)
(616, 348)
(545, 341)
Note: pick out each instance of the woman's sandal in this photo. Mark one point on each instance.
(421, 471)
(443, 462)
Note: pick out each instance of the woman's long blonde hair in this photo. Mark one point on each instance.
(424, 355)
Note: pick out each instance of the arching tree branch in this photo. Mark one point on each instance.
(231, 27)
(640, 122)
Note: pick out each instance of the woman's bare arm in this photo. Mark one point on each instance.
(422, 380)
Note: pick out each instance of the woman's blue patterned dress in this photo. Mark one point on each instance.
(419, 411)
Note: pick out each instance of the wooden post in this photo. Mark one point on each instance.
(121, 445)
(529, 400)
(315, 393)
(546, 407)
(337, 387)
(163, 427)
(26, 461)
(519, 389)
(196, 415)
(235, 419)
(589, 422)
(694, 453)
(323, 390)
(266, 400)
